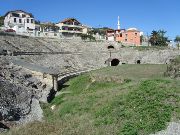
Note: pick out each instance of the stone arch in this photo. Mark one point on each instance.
(115, 62)
(110, 47)
(138, 62)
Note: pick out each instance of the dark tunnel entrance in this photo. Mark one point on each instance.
(138, 61)
(115, 62)
(110, 47)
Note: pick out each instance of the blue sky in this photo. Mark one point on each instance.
(146, 15)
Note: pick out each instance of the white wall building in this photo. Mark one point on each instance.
(20, 21)
(24, 23)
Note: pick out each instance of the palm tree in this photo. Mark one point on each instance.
(158, 38)
(177, 40)
(154, 38)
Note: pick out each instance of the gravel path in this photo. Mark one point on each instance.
(172, 129)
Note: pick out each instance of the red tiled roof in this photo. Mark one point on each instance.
(69, 19)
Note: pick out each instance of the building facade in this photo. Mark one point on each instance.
(20, 21)
(130, 36)
(110, 35)
(71, 27)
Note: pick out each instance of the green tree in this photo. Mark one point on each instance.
(100, 31)
(85, 37)
(1, 20)
(141, 39)
(158, 38)
(177, 40)
(49, 26)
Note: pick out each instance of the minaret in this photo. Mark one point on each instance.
(118, 23)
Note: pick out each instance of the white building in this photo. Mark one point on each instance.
(110, 35)
(20, 21)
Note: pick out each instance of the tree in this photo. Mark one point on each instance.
(177, 40)
(1, 20)
(141, 39)
(100, 31)
(85, 37)
(49, 26)
(158, 38)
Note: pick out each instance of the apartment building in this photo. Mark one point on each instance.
(20, 21)
(130, 36)
(71, 27)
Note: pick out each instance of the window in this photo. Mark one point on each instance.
(23, 15)
(20, 21)
(14, 19)
(32, 20)
(126, 35)
(125, 40)
(15, 14)
(120, 34)
(135, 34)
(27, 20)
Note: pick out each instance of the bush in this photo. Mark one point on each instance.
(85, 37)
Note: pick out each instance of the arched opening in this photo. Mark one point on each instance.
(110, 47)
(115, 62)
(34, 86)
(138, 61)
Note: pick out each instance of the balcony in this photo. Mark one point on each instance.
(71, 25)
(70, 31)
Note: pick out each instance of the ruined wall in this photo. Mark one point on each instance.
(91, 54)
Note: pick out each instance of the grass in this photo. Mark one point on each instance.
(123, 100)
(133, 72)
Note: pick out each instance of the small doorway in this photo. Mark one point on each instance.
(138, 61)
(115, 62)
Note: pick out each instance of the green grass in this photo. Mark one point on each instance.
(123, 100)
(145, 110)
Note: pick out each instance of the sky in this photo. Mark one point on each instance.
(146, 15)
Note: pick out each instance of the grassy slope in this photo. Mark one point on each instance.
(101, 102)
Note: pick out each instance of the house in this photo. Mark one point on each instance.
(20, 21)
(71, 27)
(110, 35)
(130, 36)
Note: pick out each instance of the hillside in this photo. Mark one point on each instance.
(124, 100)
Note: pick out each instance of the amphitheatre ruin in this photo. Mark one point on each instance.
(33, 69)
